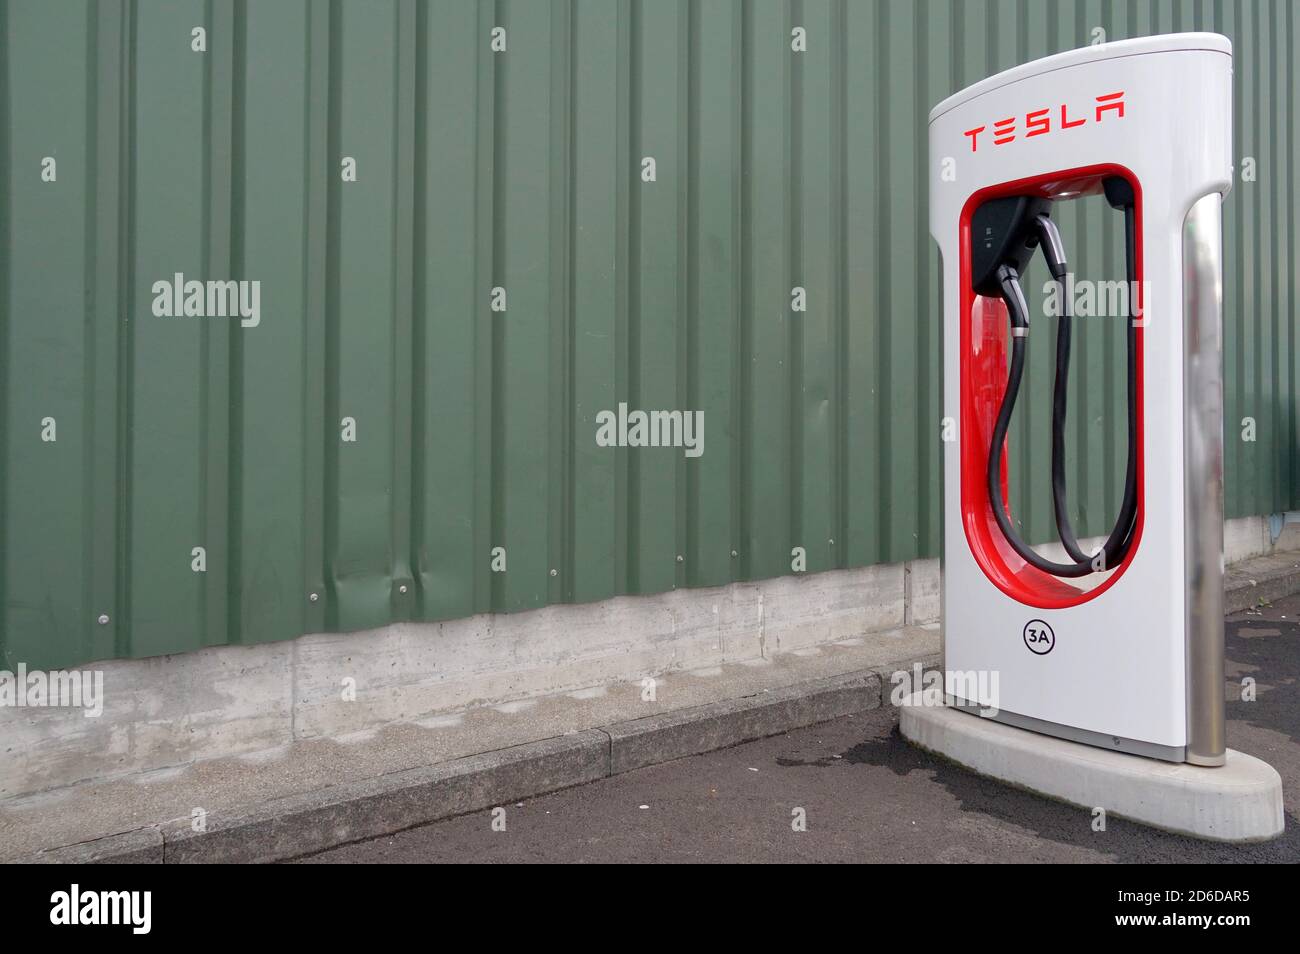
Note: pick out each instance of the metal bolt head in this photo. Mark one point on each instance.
(680, 558)
(734, 553)
(313, 597)
(103, 619)
(402, 588)
(555, 572)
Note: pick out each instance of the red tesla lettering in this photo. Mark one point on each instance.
(1065, 120)
(1113, 101)
(1038, 122)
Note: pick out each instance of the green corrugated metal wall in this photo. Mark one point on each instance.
(521, 169)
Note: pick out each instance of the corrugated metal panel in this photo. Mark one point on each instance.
(522, 169)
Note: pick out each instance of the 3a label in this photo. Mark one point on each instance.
(1039, 637)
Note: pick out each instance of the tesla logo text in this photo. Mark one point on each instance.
(1040, 121)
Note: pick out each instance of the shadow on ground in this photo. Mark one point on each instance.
(1051, 820)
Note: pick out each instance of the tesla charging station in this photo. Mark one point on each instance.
(1114, 648)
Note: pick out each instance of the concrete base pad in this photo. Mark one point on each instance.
(1239, 801)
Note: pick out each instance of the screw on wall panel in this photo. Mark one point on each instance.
(680, 558)
(555, 572)
(313, 597)
(402, 588)
(734, 553)
(832, 541)
(103, 619)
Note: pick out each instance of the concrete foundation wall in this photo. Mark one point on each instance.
(170, 710)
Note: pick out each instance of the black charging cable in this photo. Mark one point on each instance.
(1032, 218)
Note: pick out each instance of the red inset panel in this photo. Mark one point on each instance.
(983, 380)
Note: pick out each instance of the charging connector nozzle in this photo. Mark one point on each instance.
(1014, 296)
(1049, 238)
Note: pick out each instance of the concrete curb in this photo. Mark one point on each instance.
(144, 846)
(675, 735)
(1263, 581)
(314, 821)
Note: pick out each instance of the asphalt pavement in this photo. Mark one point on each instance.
(854, 790)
